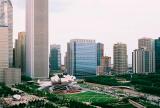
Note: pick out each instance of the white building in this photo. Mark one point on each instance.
(37, 61)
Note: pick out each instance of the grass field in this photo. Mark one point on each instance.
(92, 97)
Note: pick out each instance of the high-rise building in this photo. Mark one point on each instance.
(4, 59)
(82, 57)
(100, 53)
(37, 57)
(20, 52)
(55, 57)
(140, 61)
(6, 19)
(157, 55)
(106, 62)
(120, 62)
(148, 45)
(145, 43)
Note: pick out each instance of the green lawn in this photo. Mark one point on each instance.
(92, 97)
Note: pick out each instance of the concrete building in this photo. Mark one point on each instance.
(100, 53)
(105, 67)
(20, 52)
(55, 57)
(12, 76)
(37, 56)
(100, 71)
(148, 45)
(4, 52)
(140, 61)
(106, 62)
(6, 19)
(120, 58)
(145, 43)
(82, 57)
(157, 55)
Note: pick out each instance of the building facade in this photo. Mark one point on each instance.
(4, 52)
(37, 57)
(157, 55)
(100, 53)
(12, 76)
(6, 19)
(82, 57)
(140, 61)
(55, 57)
(120, 58)
(148, 45)
(20, 52)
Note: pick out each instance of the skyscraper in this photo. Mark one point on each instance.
(140, 61)
(82, 57)
(6, 19)
(120, 62)
(55, 57)
(20, 52)
(100, 53)
(4, 59)
(37, 58)
(147, 44)
(157, 55)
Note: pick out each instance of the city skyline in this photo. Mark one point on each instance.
(114, 21)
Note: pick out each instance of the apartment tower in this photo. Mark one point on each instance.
(120, 58)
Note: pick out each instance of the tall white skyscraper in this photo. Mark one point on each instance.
(37, 59)
(6, 19)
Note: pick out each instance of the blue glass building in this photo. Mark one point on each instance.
(82, 57)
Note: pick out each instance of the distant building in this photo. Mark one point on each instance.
(12, 76)
(100, 53)
(100, 71)
(148, 45)
(145, 43)
(6, 19)
(140, 61)
(55, 57)
(157, 55)
(105, 67)
(20, 52)
(37, 56)
(82, 57)
(120, 58)
(106, 62)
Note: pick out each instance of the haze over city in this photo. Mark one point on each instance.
(106, 21)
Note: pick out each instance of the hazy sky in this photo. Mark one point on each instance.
(106, 21)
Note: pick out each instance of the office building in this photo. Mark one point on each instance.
(140, 61)
(120, 58)
(82, 57)
(6, 19)
(106, 62)
(145, 43)
(55, 57)
(100, 53)
(12, 76)
(4, 52)
(20, 52)
(37, 57)
(157, 55)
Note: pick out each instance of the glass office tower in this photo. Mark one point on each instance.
(157, 55)
(82, 57)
